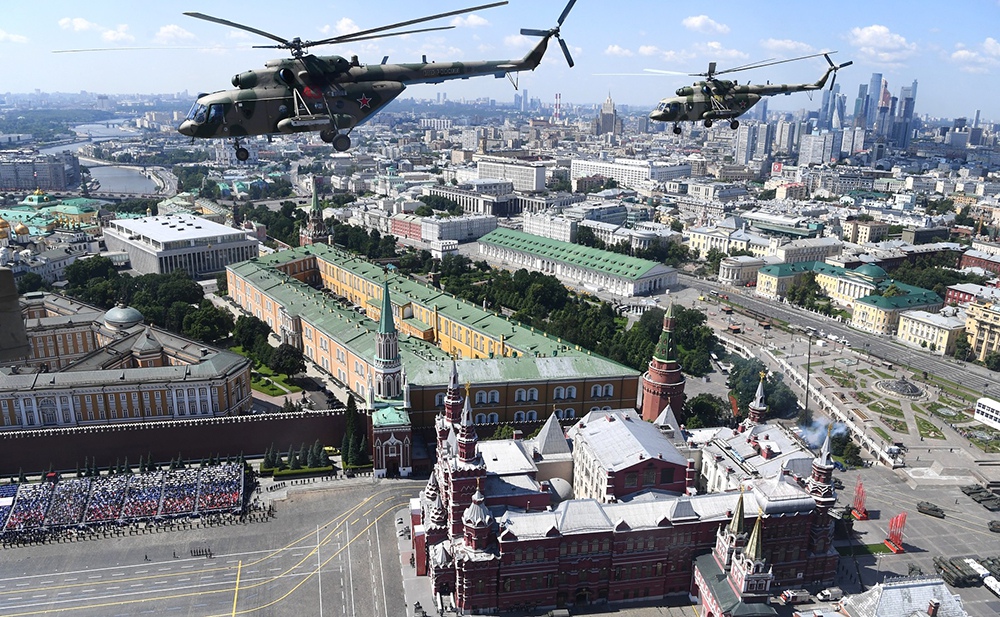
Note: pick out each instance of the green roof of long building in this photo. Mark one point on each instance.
(608, 262)
(540, 356)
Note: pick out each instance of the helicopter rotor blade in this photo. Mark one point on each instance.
(764, 63)
(233, 24)
(357, 35)
(565, 13)
(663, 72)
(388, 34)
(565, 49)
(532, 32)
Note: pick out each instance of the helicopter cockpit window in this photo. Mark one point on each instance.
(661, 107)
(197, 113)
(215, 113)
(674, 107)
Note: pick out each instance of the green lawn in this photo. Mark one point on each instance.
(897, 426)
(928, 430)
(881, 374)
(881, 433)
(864, 549)
(279, 382)
(885, 408)
(862, 397)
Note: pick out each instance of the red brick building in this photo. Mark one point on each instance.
(496, 529)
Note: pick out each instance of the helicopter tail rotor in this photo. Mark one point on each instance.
(555, 32)
(835, 68)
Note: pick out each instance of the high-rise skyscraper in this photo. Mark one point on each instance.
(746, 140)
(874, 97)
(861, 106)
(525, 101)
(765, 141)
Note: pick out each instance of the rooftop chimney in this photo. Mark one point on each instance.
(933, 607)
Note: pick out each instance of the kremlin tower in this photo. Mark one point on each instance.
(663, 383)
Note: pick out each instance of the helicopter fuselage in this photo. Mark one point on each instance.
(324, 93)
(720, 99)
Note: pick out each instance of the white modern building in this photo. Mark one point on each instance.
(549, 226)
(525, 175)
(628, 172)
(162, 244)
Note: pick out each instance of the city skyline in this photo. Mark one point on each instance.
(945, 57)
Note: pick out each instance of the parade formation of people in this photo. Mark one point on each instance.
(30, 511)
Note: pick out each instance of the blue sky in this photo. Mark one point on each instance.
(952, 48)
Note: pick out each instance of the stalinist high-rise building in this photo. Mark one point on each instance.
(608, 122)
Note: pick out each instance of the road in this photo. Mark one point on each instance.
(882, 347)
(331, 551)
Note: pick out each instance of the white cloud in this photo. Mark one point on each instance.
(112, 35)
(877, 43)
(617, 50)
(704, 23)
(649, 50)
(979, 60)
(346, 25)
(518, 41)
(471, 21)
(991, 47)
(7, 37)
(786, 45)
(118, 35)
(716, 51)
(171, 33)
(78, 24)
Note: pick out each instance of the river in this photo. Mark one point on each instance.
(113, 179)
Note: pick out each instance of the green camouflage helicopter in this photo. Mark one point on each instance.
(721, 99)
(331, 94)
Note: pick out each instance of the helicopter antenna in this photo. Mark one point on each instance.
(298, 47)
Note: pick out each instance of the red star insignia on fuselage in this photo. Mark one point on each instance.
(365, 102)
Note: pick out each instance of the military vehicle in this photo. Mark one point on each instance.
(721, 99)
(972, 489)
(992, 504)
(994, 526)
(926, 507)
(332, 94)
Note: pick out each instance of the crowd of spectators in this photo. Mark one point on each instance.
(86, 502)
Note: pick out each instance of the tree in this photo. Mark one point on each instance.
(287, 359)
(31, 281)
(249, 330)
(585, 236)
(852, 454)
(706, 410)
(83, 271)
(208, 323)
(743, 381)
(713, 258)
(992, 361)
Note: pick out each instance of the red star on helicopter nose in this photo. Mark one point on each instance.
(365, 102)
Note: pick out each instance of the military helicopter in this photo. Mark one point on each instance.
(720, 99)
(331, 94)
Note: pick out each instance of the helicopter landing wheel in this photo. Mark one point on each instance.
(735, 124)
(341, 143)
(327, 135)
(708, 124)
(677, 130)
(242, 154)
